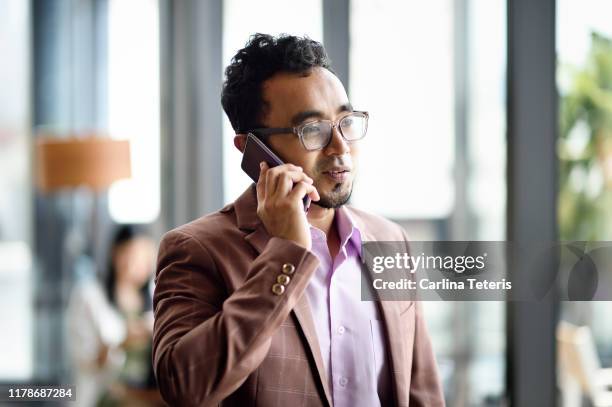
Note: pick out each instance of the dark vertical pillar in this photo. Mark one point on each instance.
(336, 36)
(192, 117)
(532, 192)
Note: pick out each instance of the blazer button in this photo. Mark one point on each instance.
(283, 279)
(278, 289)
(288, 268)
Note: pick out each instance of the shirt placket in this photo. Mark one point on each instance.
(340, 336)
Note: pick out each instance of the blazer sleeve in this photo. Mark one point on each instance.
(425, 385)
(206, 342)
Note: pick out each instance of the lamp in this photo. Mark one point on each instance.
(70, 163)
(94, 162)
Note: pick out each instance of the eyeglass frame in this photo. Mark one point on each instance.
(297, 130)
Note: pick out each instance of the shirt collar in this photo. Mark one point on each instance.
(348, 231)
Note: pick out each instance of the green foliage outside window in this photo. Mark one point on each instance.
(585, 146)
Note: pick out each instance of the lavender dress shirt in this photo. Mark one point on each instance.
(350, 331)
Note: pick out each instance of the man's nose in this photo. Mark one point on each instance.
(337, 145)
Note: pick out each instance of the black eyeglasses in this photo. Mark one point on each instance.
(317, 134)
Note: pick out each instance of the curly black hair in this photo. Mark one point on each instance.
(261, 58)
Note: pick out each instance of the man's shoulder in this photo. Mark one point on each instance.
(214, 226)
(376, 226)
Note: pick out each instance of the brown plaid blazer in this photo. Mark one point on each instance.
(222, 337)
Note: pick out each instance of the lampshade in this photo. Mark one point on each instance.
(95, 162)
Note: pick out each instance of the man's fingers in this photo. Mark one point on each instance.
(286, 180)
(314, 194)
(284, 167)
(288, 166)
(279, 182)
(303, 188)
(261, 183)
(271, 179)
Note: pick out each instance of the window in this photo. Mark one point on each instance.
(584, 38)
(407, 86)
(16, 314)
(432, 76)
(134, 106)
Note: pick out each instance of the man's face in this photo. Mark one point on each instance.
(294, 99)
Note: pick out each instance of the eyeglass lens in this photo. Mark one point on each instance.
(317, 135)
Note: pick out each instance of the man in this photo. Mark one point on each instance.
(259, 304)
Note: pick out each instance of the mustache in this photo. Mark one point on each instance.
(326, 164)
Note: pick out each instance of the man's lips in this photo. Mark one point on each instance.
(338, 174)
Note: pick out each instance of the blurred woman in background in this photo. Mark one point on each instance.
(110, 327)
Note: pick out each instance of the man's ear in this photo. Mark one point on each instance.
(240, 141)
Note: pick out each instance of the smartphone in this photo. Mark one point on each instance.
(255, 151)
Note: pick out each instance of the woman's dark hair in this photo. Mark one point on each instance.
(124, 234)
(261, 58)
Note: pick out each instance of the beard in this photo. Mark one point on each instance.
(335, 198)
(341, 192)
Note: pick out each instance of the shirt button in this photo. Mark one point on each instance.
(341, 330)
(343, 381)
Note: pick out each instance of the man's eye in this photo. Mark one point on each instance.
(311, 129)
(348, 122)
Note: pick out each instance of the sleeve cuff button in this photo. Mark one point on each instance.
(288, 268)
(283, 279)
(278, 289)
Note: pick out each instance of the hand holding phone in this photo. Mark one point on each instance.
(255, 151)
(281, 193)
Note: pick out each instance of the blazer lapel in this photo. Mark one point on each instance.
(390, 311)
(303, 318)
(391, 316)
(247, 219)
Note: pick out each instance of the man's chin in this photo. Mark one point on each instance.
(334, 199)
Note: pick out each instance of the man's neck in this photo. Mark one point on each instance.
(321, 218)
